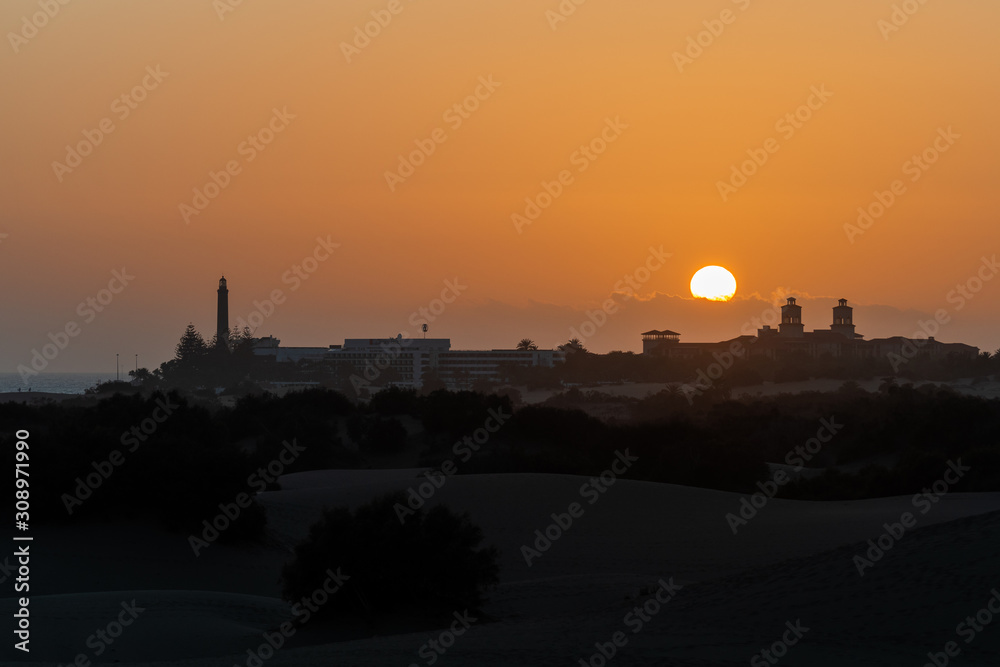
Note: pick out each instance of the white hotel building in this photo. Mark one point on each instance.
(411, 359)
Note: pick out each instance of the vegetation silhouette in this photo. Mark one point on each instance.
(175, 472)
(431, 564)
(234, 369)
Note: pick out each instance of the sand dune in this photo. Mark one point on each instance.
(199, 623)
(792, 561)
(635, 527)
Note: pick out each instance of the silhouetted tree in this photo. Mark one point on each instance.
(143, 376)
(396, 558)
(394, 401)
(241, 340)
(192, 346)
(526, 344)
(888, 385)
(385, 436)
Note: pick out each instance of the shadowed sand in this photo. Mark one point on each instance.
(793, 561)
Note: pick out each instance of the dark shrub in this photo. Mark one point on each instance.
(385, 436)
(430, 563)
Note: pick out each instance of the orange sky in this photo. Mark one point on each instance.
(324, 173)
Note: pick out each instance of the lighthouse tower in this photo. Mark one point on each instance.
(222, 326)
(791, 320)
(843, 319)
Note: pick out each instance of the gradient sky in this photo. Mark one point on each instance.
(323, 175)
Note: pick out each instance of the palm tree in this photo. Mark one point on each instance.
(526, 344)
(574, 345)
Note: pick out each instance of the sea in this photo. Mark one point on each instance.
(55, 383)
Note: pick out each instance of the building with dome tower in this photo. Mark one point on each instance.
(839, 341)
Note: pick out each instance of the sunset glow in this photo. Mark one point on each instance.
(481, 330)
(713, 283)
(812, 147)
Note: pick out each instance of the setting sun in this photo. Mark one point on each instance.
(713, 283)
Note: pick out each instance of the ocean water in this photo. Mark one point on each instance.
(56, 383)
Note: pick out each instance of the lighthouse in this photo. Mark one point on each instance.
(222, 326)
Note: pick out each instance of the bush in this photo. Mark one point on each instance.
(430, 563)
(385, 436)
(394, 401)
